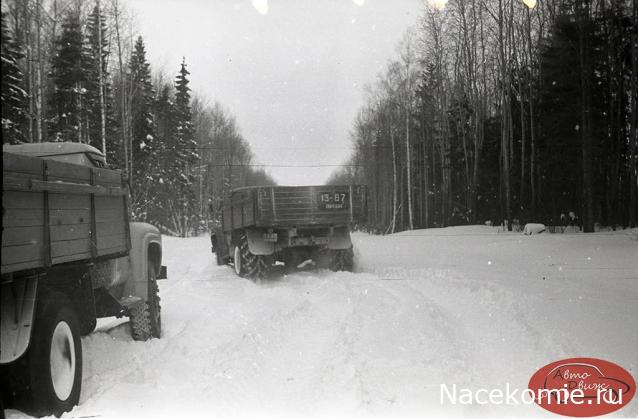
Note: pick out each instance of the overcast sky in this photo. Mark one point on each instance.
(291, 71)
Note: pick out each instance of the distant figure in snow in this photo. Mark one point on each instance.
(516, 225)
(563, 222)
(574, 221)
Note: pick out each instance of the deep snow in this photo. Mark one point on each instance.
(465, 306)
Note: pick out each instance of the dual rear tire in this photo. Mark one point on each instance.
(335, 259)
(48, 378)
(342, 260)
(219, 247)
(247, 264)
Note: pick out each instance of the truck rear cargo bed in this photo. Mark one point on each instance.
(54, 212)
(281, 206)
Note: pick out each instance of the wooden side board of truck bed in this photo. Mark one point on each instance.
(54, 212)
(284, 206)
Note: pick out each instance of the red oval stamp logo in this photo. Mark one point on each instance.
(582, 387)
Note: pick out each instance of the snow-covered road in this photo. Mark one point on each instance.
(464, 306)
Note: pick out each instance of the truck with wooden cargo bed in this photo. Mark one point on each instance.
(291, 224)
(69, 256)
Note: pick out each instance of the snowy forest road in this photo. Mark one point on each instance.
(462, 306)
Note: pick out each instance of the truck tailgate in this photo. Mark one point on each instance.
(309, 205)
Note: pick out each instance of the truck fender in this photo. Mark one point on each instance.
(146, 245)
(18, 307)
(256, 243)
(339, 239)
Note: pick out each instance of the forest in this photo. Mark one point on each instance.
(77, 71)
(501, 111)
(504, 111)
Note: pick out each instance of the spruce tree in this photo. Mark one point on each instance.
(13, 96)
(185, 141)
(71, 70)
(143, 127)
(184, 149)
(142, 102)
(160, 163)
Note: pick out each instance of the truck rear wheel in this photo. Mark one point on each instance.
(219, 247)
(342, 260)
(248, 265)
(221, 260)
(54, 358)
(146, 318)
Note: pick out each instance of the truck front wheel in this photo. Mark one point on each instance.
(146, 318)
(55, 358)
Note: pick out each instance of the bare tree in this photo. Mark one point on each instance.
(633, 130)
(101, 81)
(408, 60)
(125, 116)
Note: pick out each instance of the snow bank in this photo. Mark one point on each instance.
(470, 230)
(533, 228)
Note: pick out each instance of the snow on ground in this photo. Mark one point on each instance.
(464, 306)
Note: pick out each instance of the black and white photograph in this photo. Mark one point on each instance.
(319, 209)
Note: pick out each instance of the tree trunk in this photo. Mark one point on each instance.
(532, 131)
(29, 76)
(395, 186)
(408, 156)
(101, 79)
(123, 91)
(521, 193)
(505, 115)
(39, 91)
(585, 129)
(633, 130)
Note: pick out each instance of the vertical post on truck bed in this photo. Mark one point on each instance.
(255, 206)
(274, 207)
(46, 221)
(313, 202)
(351, 208)
(242, 210)
(93, 235)
(127, 225)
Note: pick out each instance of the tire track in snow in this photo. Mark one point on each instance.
(401, 372)
(263, 348)
(496, 336)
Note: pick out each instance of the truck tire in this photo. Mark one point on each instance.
(146, 318)
(248, 265)
(342, 260)
(219, 258)
(54, 360)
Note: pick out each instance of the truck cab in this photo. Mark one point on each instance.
(75, 153)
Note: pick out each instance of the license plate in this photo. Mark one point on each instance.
(334, 200)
